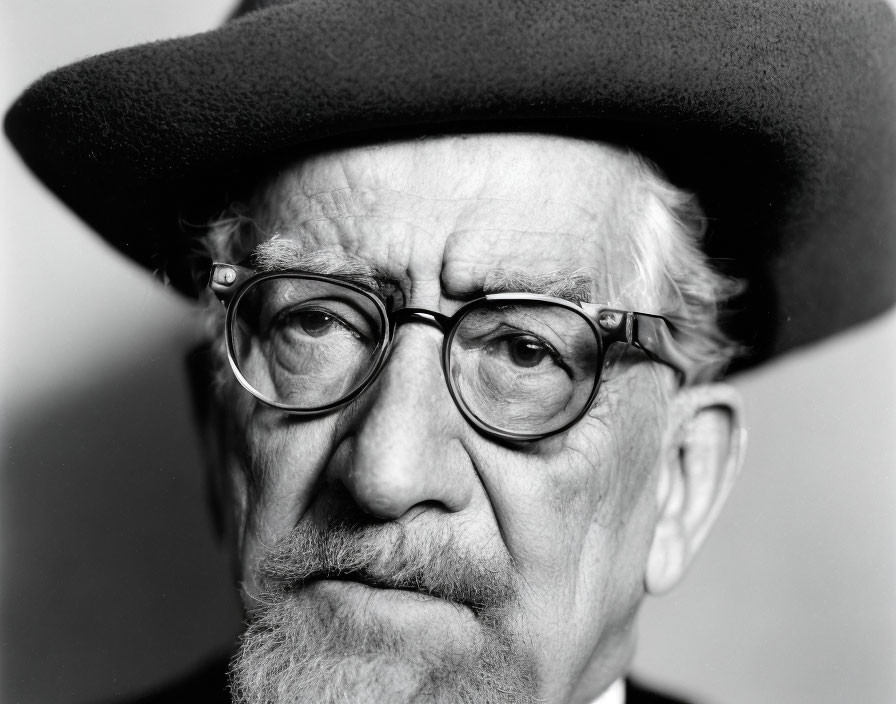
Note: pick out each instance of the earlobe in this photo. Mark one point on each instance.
(702, 455)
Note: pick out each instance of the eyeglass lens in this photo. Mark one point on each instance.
(525, 367)
(305, 343)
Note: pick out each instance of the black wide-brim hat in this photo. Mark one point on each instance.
(780, 114)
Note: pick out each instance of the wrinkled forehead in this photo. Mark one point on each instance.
(460, 207)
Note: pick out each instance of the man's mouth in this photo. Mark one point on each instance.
(427, 568)
(367, 578)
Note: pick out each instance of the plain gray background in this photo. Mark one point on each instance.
(111, 580)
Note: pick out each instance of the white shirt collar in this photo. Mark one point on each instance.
(614, 694)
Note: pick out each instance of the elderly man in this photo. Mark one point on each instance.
(489, 538)
(464, 407)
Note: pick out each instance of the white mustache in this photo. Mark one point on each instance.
(392, 557)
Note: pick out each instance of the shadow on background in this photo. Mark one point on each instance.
(104, 515)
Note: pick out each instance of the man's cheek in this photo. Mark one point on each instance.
(285, 460)
(585, 476)
(554, 497)
(632, 440)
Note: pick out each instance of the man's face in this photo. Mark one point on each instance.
(533, 554)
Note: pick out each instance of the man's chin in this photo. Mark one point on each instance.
(346, 641)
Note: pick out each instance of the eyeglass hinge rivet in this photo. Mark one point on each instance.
(610, 320)
(224, 276)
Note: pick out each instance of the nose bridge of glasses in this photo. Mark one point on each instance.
(433, 318)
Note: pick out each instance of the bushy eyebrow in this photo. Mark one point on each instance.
(287, 255)
(281, 254)
(571, 285)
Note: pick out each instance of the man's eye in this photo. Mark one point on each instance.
(523, 350)
(316, 323)
(311, 322)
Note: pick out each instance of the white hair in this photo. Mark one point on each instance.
(666, 242)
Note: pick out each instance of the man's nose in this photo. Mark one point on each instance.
(406, 450)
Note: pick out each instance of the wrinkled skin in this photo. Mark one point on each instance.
(575, 516)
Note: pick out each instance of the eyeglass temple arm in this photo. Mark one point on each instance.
(225, 279)
(652, 334)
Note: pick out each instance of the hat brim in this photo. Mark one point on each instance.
(780, 115)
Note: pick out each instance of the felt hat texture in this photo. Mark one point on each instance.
(779, 114)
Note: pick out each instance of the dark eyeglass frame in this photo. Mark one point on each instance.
(650, 333)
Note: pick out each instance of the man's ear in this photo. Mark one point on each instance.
(703, 452)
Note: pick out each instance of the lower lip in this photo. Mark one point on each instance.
(407, 600)
(426, 622)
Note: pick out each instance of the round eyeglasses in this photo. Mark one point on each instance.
(519, 366)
